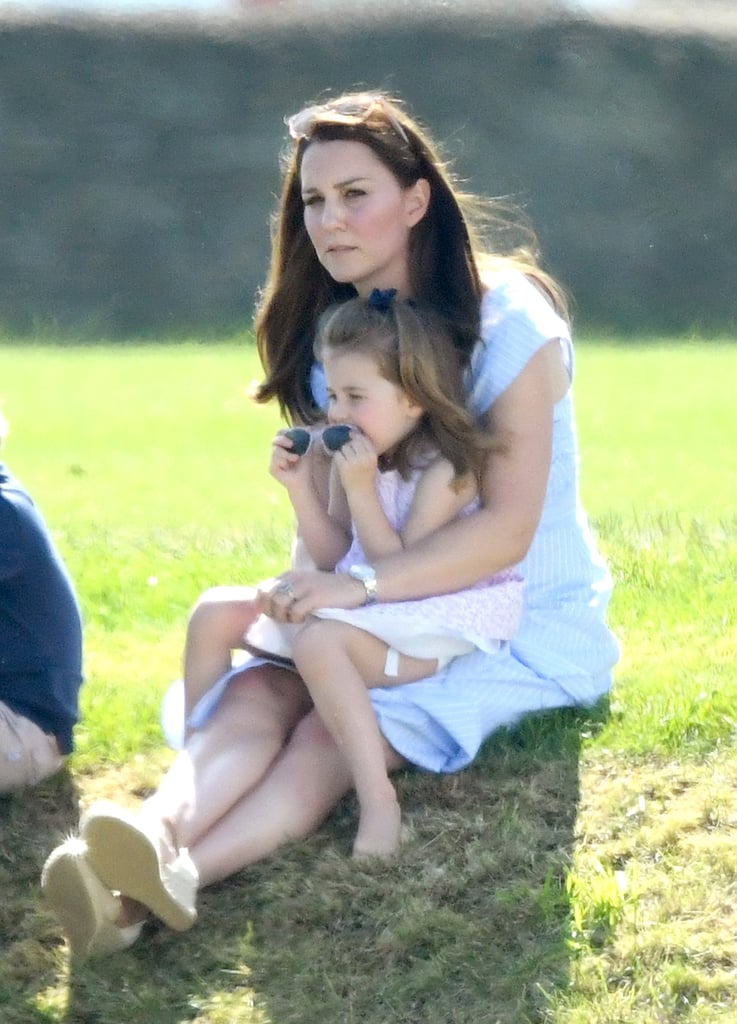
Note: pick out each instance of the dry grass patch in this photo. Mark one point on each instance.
(653, 887)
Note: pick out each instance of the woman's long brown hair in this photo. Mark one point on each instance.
(443, 249)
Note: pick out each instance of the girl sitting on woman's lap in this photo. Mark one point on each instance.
(367, 204)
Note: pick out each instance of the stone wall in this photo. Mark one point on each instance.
(139, 160)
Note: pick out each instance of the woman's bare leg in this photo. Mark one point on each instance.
(338, 662)
(215, 628)
(231, 754)
(265, 807)
(221, 763)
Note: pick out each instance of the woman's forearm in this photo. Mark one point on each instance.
(453, 557)
(456, 556)
(474, 547)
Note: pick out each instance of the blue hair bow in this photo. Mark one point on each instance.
(382, 299)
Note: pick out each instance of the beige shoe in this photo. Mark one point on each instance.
(127, 855)
(86, 910)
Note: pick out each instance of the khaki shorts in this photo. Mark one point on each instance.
(27, 754)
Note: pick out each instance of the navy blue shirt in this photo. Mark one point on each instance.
(40, 620)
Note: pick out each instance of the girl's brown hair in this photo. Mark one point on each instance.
(443, 249)
(413, 347)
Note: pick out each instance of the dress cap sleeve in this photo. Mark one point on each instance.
(516, 321)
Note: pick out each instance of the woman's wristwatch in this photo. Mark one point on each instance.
(366, 575)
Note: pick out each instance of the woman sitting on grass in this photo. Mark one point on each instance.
(367, 204)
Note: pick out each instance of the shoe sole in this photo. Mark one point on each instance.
(126, 860)
(67, 884)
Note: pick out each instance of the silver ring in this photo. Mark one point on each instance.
(286, 588)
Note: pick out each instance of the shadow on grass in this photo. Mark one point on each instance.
(468, 923)
(31, 824)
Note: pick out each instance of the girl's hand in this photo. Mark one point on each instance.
(357, 463)
(292, 596)
(287, 466)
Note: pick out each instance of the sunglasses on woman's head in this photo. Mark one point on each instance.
(351, 112)
(332, 438)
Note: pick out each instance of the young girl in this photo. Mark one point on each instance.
(412, 463)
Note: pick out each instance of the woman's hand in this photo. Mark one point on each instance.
(292, 596)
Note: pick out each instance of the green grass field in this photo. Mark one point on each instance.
(583, 871)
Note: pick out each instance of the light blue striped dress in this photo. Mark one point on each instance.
(563, 653)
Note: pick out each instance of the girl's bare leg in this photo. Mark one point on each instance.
(302, 786)
(216, 627)
(338, 662)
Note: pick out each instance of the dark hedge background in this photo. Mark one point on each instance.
(138, 160)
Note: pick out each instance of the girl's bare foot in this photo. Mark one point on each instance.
(379, 829)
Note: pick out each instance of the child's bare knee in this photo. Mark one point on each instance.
(219, 597)
(220, 613)
(319, 639)
(206, 611)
